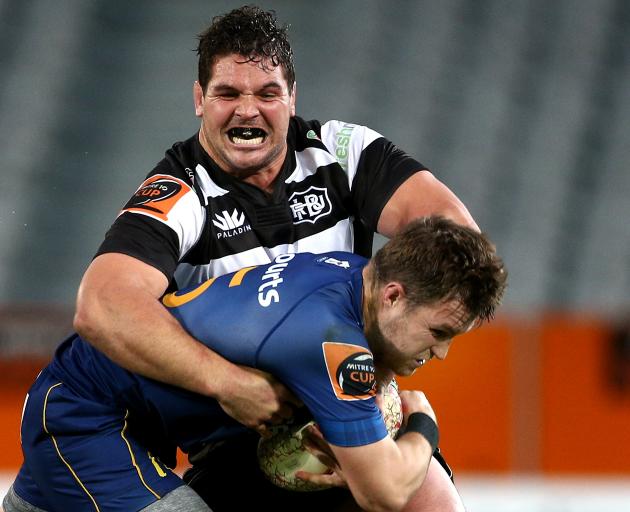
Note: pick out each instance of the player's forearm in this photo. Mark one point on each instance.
(401, 476)
(416, 453)
(383, 476)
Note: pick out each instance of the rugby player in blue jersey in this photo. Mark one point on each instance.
(304, 318)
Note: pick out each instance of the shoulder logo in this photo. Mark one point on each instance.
(157, 196)
(230, 224)
(312, 135)
(309, 205)
(334, 261)
(351, 370)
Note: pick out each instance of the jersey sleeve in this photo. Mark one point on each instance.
(375, 166)
(159, 224)
(323, 358)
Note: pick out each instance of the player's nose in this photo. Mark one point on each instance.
(440, 351)
(247, 106)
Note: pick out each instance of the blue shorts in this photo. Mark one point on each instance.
(78, 455)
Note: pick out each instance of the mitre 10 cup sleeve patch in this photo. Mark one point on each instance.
(157, 196)
(350, 369)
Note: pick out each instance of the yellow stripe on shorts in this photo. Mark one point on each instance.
(57, 448)
(133, 459)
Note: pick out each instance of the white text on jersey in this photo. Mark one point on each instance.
(230, 224)
(267, 292)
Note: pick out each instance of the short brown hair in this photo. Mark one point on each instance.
(436, 260)
(250, 32)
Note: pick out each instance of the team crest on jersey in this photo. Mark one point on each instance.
(309, 205)
(157, 196)
(351, 370)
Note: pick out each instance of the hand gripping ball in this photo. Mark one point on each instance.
(283, 454)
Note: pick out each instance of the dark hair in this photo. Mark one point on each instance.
(437, 260)
(250, 32)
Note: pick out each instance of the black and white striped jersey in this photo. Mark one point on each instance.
(192, 221)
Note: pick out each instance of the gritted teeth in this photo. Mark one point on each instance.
(246, 135)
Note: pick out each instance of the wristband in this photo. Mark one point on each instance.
(424, 425)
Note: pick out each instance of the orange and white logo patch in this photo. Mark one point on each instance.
(350, 369)
(157, 196)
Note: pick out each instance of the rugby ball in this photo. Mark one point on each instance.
(283, 454)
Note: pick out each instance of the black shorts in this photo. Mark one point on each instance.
(233, 465)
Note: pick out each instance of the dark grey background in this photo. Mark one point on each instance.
(522, 107)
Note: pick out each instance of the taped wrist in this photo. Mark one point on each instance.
(423, 424)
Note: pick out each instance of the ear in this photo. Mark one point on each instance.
(198, 98)
(392, 294)
(292, 98)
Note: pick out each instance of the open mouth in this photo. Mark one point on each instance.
(249, 136)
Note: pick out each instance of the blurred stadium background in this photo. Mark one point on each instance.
(522, 107)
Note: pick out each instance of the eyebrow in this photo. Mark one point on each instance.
(227, 87)
(447, 330)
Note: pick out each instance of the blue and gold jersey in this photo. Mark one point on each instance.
(298, 318)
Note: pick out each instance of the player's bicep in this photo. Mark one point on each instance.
(420, 195)
(122, 274)
(110, 285)
(382, 169)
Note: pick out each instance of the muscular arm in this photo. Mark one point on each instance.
(420, 195)
(119, 312)
(389, 483)
(386, 474)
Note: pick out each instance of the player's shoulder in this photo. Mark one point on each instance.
(172, 177)
(341, 260)
(343, 138)
(333, 262)
(301, 126)
(333, 281)
(304, 134)
(314, 129)
(170, 192)
(179, 161)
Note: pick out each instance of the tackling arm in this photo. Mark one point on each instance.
(420, 195)
(119, 312)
